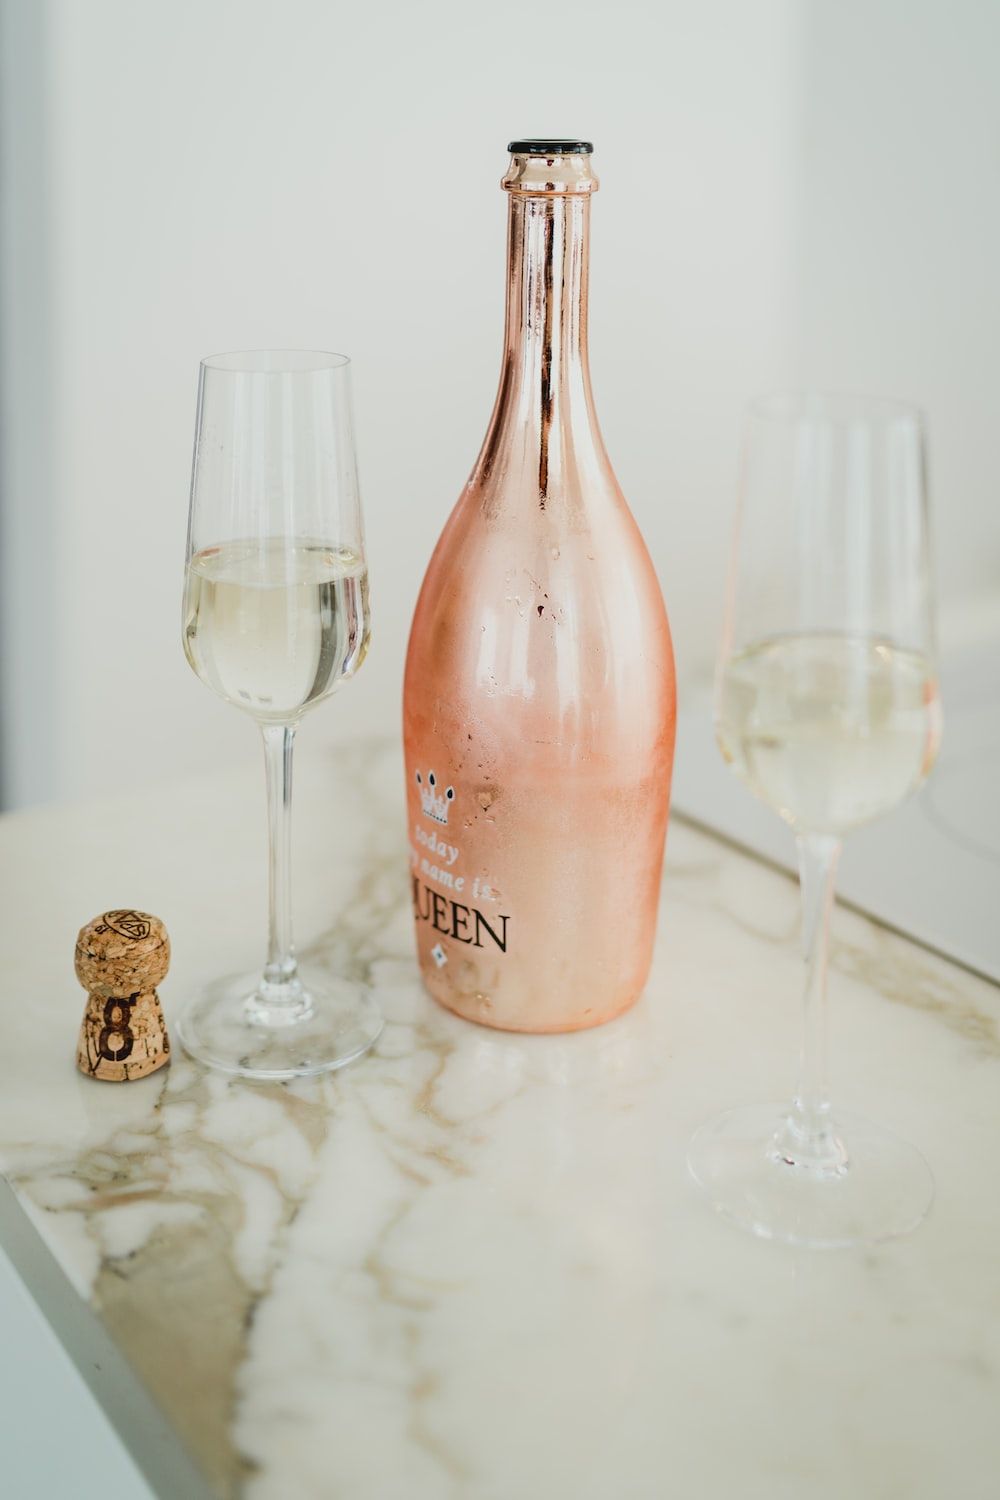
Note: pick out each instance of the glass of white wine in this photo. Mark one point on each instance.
(276, 618)
(827, 707)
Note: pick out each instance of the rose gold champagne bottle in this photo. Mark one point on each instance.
(539, 702)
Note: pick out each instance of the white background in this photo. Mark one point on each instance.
(793, 192)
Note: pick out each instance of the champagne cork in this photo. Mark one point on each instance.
(120, 959)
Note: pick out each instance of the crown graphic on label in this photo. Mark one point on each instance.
(431, 800)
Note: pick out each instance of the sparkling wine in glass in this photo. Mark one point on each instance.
(827, 707)
(276, 618)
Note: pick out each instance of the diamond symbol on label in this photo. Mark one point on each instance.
(439, 956)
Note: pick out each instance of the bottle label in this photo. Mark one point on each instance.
(456, 900)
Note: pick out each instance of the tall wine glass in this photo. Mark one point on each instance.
(827, 707)
(276, 618)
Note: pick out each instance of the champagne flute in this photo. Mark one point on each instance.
(827, 707)
(276, 618)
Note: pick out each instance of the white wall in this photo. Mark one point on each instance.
(198, 175)
(220, 174)
(898, 260)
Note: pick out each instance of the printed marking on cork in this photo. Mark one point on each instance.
(121, 957)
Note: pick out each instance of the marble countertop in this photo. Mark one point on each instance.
(472, 1266)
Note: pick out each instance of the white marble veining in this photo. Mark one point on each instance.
(472, 1267)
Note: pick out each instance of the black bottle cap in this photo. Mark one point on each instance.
(549, 146)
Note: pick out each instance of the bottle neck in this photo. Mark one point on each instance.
(544, 407)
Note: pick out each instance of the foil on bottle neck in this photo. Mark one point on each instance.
(552, 176)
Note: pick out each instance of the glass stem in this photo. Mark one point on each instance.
(280, 969)
(807, 1138)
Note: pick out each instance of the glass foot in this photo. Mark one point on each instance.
(241, 1025)
(882, 1187)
